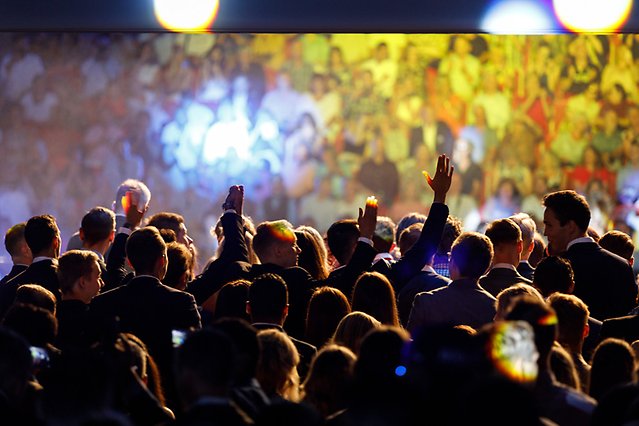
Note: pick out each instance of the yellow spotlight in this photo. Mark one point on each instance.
(186, 15)
(592, 15)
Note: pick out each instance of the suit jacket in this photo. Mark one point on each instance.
(626, 328)
(150, 310)
(219, 413)
(498, 279)
(75, 325)
(526, 270)
(463, 301)
(43, 273)
(603, 280)
(15, 270)
(425, 281)
(115, 270)
(306, 351)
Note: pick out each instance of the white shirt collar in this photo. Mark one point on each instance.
(40, 259)
(428, 268)
(503, 266)
(380, 256)
(580, 240)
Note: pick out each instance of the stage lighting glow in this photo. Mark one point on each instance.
(517, 17)
(269, 130)
(223, 137)
(186, 15)
(592, 15)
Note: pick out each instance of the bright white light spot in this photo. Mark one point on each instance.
(592, 15)
(517, 17)
(269, 130)
(186, 15)
(224, 137)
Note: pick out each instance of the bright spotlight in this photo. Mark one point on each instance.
(592, 15)
(223, 137)
(186, 15)
(517, 17)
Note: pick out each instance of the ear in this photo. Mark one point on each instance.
(81, 233)
(531, 247)
(520, 246)
(112, 236)
(631, 261)
(128, 262)
(586, 330)
(248, 308)
(285, 312)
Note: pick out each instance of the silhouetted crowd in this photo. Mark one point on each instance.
(370, 322)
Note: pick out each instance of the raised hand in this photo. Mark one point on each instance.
(367, 219)
(235, 199)
(440, 183)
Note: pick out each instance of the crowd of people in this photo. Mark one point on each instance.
(310, 122)
(370, 322)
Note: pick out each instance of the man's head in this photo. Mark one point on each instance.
(470, 256)
(566, 218)
(141, 195)
(174, 222)
(146, 251)
(384, 235)
(16, 245)
(407, 220)
(554, 274)
(275, 242)
(98, 226)
(180, 261)
(342, 238)
(409, 237)
(572, 316)
(43, 236)
(528, 228)
(620, 244)
(36, 295)
(506, 238)
(268, 299)
(79, 275)
(452, 230)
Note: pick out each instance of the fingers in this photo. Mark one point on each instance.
(361, 213)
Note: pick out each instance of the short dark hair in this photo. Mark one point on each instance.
(36, 295)
(13, 237)
(40, 232)
(409, 237)
(572, 315)
(472, 253)
(341, 237)
(38, 325)
(568, 205)
(503, 231)
(180, 261)
(166, 220)
(409, 219)
(144, 247)
(554, 274)
(619, 243)
(267, 296)
(98, 224)
(452, 229)
(73, 265)
(269, 233)
(538, 251)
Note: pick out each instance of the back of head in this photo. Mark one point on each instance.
(554, 274)
(40, 232)
(166, 220)
(14, 238)
(231, 300)
(341, 238)
(326, 307)
(538, 251)
(572, 316)
(374, 294)
(506, 296)
(37, 325)
(313, 253)
(206, 359)
(543, 320)
(503, 233)
(527, 226)
(143, 249)
(408, 220)
(277, 367)
(472, 254)
(180, 262)
(452, 229)
(618, 243)
(409, 237)
(244, 337)
(568, 205)
(613, 364)
(267, 298)
(384, 235)
(73, 265)
(36, 295)
(268, 234)
(143, 195)
(351, 329)
(97, 225)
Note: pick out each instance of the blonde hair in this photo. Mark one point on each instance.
(277, 366)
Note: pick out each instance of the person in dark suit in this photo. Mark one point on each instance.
(507, 244)
(528, 228)
(426, 280)
(268, 308)
(603, 280)
(204, 372)
(43, 238)
(463, 301)
(144, 306)
(18, 249)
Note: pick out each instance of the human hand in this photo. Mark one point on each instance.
(235, 199)
(367, 219)
(443, 177)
